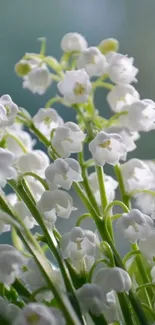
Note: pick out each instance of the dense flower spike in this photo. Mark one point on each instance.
(78, 270)
(75, 87)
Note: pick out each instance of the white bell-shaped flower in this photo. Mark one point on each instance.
(93, 61)
(8, 312)
(46, 120)
(63, 172)
(38, 80)
(68, 139)
(107, 148)
(110, 186)
(145, 202)
(22, 135)
(92, 298)
(135, 225)
(39, 314)
(7, 171)
(55, 203)
(24, 213)
(147, 246)
(75, 87)
(140, 115)
(114, 278)
(73, 42)
(35, 187)
(5, 222)
(121, 95)
(136, 175)
(11, 261)
(8, 111)
(79, 244)
(36, 161)
(121, 69)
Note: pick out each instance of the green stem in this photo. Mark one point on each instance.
(39, 135)
(38, 178)
(85, 201)
(126, 308)
(106, 85)
(53, 101)
(125, 197)
(146, 285)
(149, 310)
(130, 254)
(82, 218)
(101, 183)
(98, 320)
(19, 142)
(112, 204)
(97, 262)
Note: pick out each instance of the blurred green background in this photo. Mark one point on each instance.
(132, 22)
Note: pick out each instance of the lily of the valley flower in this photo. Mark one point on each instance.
(107, 148)
(38, 80)
(147, 246)
(39, 314)
(8, 312)
(121, 95)
(135, 225)
(93, 61)
(75, 87)
(55, 203)
(68, 139)
(121, 69)
(73, 42)
(92, 298)
(136, 174)
(7, 171)
(8, 111)
(24, 213)
(114, 278)
(36, 161)
(63, 172)
(11, 261)
(46, 120)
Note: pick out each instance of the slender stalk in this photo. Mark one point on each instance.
(39, 135)
(125, 197)
(38, 178)
(112, 204)
(101, 183)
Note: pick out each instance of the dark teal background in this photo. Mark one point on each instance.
(132, 22)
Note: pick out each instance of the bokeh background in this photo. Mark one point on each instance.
(130, 21)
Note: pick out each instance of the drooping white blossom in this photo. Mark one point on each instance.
(35, 187)
(39, 314)
(136, 175)
(135, 225)
(140, 115)
(63, 172)
(5, 222)
(79, 245)
(25, 214)
(110, 186)
(7, 171)
(93, 61)
(121, 69)
(68, 139)
(46, 120)
(75, 86)
(8, 111)
(38, 80)
(121, 95)
(147, 246)
(113, 278)
(36, 161)
(8, 311)
(55, 203)
(107, 148)
(73, 42)
(11, 261)
(92, 298)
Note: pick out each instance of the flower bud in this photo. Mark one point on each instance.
(109, 45)
(22, 68)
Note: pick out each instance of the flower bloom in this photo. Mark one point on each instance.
(93, 61)
(8, 111)
(91, 298)
(38, 80)
(55, 203)
(75, 87)
(39, 314)
(107, 148)
(77, 245)
(140, 115)
(68, 139)
(72, 42)
(7, 171)
(113, 278)
(46, 120)
(121, 95)
(121, 69)
(35, 161)
(147, 246)
(24, 213)
(11, 261)
(63, 172)
(135, 225)
(110, 186)
(136, 174)
(8, 312)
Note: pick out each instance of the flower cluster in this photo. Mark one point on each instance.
(77, 277)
